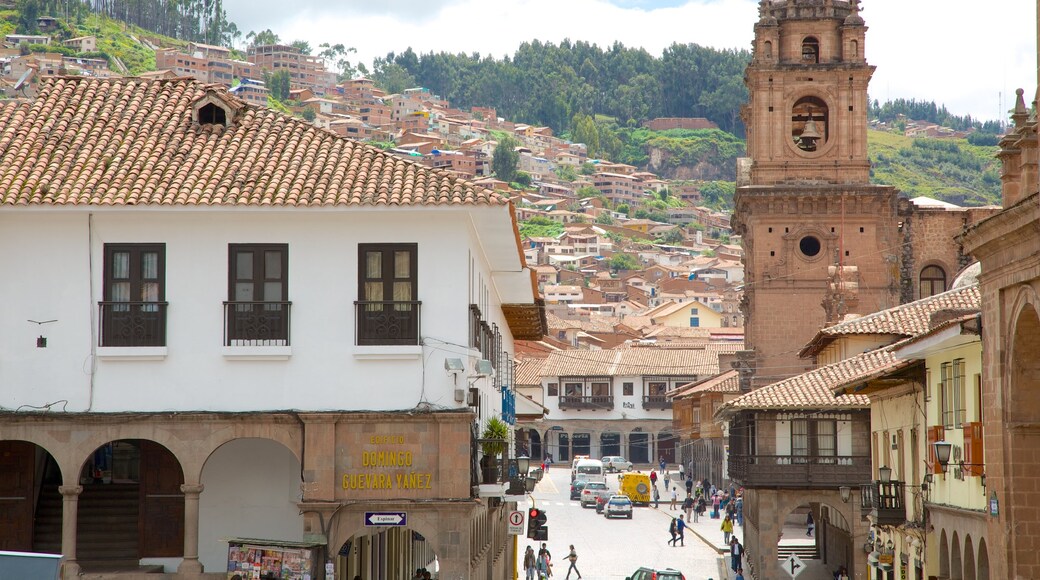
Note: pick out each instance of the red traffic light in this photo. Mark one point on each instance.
(532, 513)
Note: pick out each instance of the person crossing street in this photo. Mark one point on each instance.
(573, 558)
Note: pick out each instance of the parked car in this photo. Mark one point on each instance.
(616, 463)
(618, 505)
(645, 573)
(576, 487)
(591, 491)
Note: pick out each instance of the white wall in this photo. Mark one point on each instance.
(625, 407)
(53, 269)
(251, 488)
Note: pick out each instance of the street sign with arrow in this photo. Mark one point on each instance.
(386, 518)
(793, 565)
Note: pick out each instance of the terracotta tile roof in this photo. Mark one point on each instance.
(126, 142)
(905, 320)
(528, 371)
(815, 389)
(632, 361)
(727, 382)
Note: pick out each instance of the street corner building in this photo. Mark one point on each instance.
(235, 343)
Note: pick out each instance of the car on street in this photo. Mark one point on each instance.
(618, 505)
(616, 463)
(576, 487)
(591, 491)
(645, 573)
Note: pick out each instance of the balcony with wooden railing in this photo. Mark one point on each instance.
(800, 471)
(884, 502)
(592, 403)
(656, 402)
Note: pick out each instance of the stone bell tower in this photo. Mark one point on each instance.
(820, 241)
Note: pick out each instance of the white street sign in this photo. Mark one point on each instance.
(793, 565)
(516, 523)
(386, 518)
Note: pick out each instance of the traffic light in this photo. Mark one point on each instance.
(536, 527)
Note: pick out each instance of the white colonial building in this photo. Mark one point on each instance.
(225, 342)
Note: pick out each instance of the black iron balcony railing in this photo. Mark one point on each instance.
(656, 402)
(132, 323)
(254, 323)
(884, 502)
(387, 322)
(575, 402)
(800, 471)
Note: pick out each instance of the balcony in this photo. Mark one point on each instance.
(656, 402)
(386, 322)
(593, 403)
(884, 502)
(132, 323)
(800, 471)
(249, 323)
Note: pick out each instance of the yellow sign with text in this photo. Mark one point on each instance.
(383, 459)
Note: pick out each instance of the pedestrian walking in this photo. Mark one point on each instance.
(674, 499)
(657, 497)
(681, 472)
(687, 506)
(736, 551)
(740, 510)
(727, 529)
(573, 558)
(530, 564)
(680, 529)
(671, 530)
(662, 464)
(667, 481)
(809, 524)
(653, 478)
(689, 483)
(715, 506)
(740, 574)
(544, 562)
(698, 507)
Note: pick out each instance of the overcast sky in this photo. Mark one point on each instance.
(964, 54)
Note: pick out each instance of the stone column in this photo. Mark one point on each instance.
(69, 511)
(190, 564)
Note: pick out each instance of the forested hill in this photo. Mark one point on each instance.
(547, 84)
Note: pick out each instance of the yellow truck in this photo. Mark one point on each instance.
(636, 486)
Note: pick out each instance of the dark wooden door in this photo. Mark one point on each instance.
(161, 524)
(17, 474)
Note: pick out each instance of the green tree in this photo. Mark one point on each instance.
(278, 84)
(587, 191)
(262, 38)
(308, 114)
(505, 159)
(588, 168)
(28, 13)
(301, 45)
(605, 219)
(674, 237)
(623, 262)
(623, 208)
(583, 130)
(522, 178)
(391, 77)
(566, 173)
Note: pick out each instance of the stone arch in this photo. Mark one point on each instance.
(956, 564)
(534, 450)
(30, 503)
(854, 48)
(131, 505)
(983, 561)
(249, 484)
(810, 50)
(767, 49)
(944, 555)
(356, 555)
(969, 559)
(1023, 367)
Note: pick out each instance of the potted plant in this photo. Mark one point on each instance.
(493, 441)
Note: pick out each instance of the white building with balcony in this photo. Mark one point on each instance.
(225, 323)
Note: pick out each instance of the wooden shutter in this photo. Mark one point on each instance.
(935, 433)
(973, 449)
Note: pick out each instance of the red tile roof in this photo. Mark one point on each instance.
(905, 320)
(727, 382)
(815, 389)
(126, 142)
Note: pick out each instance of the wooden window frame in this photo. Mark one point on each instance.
(260, 321)
(138, 323)
(393, 322)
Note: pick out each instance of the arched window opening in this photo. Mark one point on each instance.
(767, 49)
(854, 49)
(809, 123)
(810, 50)
(933, 281)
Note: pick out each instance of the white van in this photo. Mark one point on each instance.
(590, 470)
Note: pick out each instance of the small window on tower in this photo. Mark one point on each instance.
(810, 50)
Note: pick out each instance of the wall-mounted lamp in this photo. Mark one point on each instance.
(885, 474)
(483, 368)
(942, 453)
(846, 493)
(982, 478)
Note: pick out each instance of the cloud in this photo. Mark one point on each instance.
(920, 51)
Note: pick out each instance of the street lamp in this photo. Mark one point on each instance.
(846, 493)
(885, 474)
(942, 453)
